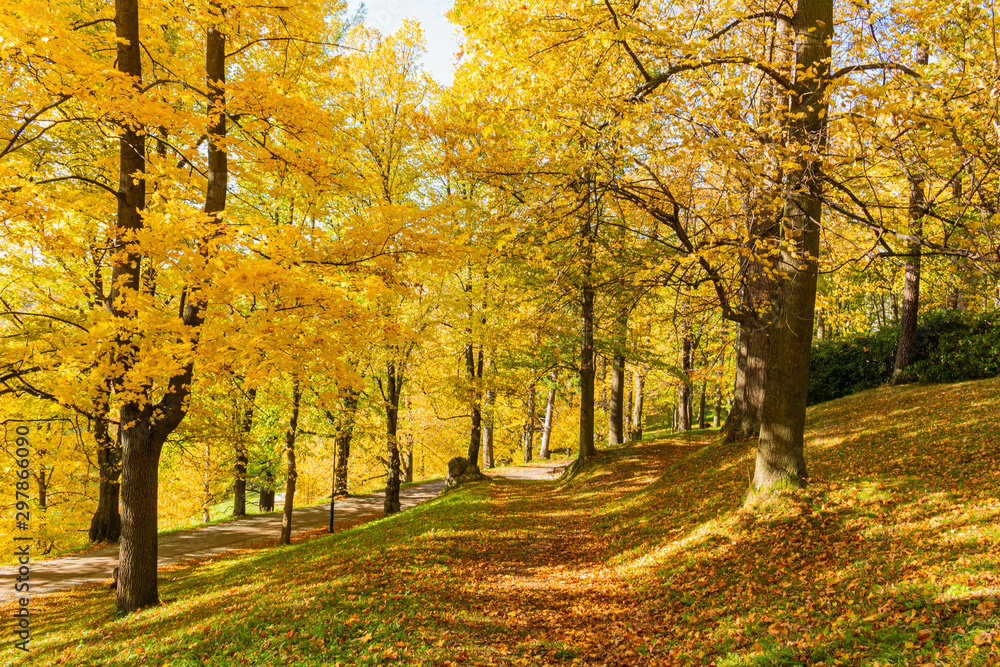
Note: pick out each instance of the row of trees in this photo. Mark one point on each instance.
(258, 231)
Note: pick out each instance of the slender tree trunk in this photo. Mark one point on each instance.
(780, 457)
(488, 431)
(640, 387)
(529, 424)
(686, 390)
(587, 365)
(717, 406)
(616, 409)
(550, 408)
(407, 467)
(820, 324)
(474, 370)
(292, 473)
(911, 285)
(345, 433)
(242, 457)
(587, 369)
(42, 484)
(394, 387)
(701, 406)
(206, 491)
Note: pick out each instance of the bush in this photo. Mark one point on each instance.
(949, 346)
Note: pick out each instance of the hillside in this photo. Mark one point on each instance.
(645, 557)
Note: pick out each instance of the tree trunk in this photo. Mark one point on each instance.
(587, 365)
(206, 491)
(780, 457)
(394, 386)
(408, 460)
(474, 372)
(266, 502)
(345, 433)
(753, 347)
(820, 324)
(616, 409)
(488, 431)
(686, 391)
(106, 524)
(529, 424)
(911, 284)
(138, 552)
(717, 406)
(292, 472)
(640, 387)
(701, 406)
(550, 409)
(42, 483)
(242, 458)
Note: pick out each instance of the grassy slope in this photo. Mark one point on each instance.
(890, 557)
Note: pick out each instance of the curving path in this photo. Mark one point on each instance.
(59, 574)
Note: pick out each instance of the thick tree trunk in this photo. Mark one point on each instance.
(550, 409)
(488, 431)
(140, 480)
(529, 424)
(394, 385)
(780, 456)
(701, 406)
(106, 524)
(292, 471)
(640, 388)
(242, 454)
(743, 421)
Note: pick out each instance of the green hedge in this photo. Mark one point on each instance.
(950, 346)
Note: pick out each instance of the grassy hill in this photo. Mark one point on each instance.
(648, 556)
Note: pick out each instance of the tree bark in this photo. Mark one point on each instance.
(616, 409)
(640, 387)
(701, 406)
(780, 457)
(488, 431)
(106, 524)
(911, 284)
(550, 409)
(266, 502)
(242, 454)
(345, 432)
(753, 347)
(529, 424)
(394, 386)
(685, 391)
(292, 471)
(474, 371)
(717, 406)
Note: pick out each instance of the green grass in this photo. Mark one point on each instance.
(647, 556)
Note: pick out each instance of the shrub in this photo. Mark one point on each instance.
(949, 346)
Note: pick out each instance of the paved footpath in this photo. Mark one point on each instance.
(59, 574)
